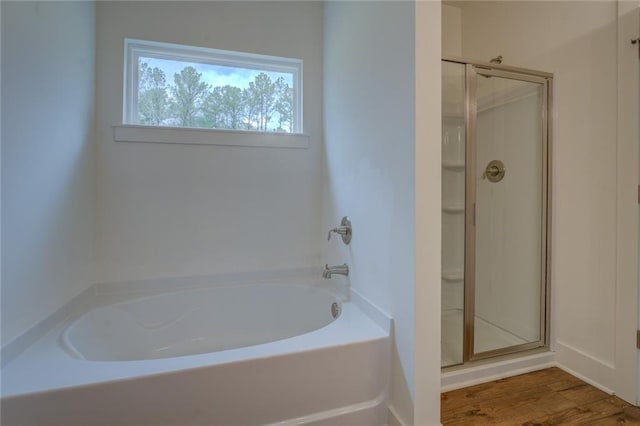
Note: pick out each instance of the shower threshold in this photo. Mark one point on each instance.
(487, 335)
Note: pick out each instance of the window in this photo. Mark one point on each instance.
(170, 85)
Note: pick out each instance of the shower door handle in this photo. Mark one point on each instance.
(494, 171)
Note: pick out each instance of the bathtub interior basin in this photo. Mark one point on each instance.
(198, 321)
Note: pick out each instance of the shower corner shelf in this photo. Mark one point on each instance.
(453, 165)
(453, 276)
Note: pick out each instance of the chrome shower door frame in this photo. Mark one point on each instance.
(472, 70)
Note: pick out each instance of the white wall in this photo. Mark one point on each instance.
(169, 210)
(428, 210)
(48, 239)
(577, 41)
(451, 30)
(628, 174)
(370, 137)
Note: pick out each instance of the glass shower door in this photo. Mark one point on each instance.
(505, 293)
(495, 195)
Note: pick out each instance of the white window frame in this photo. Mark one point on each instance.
(134, 49)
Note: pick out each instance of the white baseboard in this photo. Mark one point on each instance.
(465, 377)
(600, 372)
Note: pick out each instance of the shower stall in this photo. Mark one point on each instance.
(496, 171)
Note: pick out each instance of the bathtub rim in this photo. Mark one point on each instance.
(103, 293)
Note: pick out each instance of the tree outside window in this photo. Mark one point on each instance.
(174, 93)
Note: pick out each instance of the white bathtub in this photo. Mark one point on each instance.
(241, 354)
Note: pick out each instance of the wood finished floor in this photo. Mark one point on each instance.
(545, 397)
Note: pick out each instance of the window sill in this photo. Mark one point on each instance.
(187, 136)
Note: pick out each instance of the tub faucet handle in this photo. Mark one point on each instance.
(343, 230)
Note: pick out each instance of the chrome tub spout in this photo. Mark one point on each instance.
(338, 269)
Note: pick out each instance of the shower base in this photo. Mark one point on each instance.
(487, 336)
